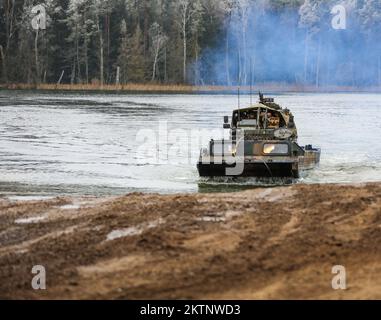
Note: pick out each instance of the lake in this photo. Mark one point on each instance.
(109, 144)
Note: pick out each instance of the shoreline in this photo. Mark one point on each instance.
(278, 243)
(184, 89)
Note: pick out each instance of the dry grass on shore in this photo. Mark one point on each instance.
(181, 88)
(131, 87)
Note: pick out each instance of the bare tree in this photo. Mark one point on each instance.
(158, 41)
(9, 11)
(370, 21)
(310, 18)
(185, 12)
(3, 64)
(99, 9)
(243, 7)
(197, 29)
(74, 22)
(227, 8)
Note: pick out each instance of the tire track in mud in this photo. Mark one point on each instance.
(265, 243)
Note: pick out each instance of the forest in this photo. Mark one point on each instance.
(197, 42)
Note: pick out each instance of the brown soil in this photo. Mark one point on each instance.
(276, 243)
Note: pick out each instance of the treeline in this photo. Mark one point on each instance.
(99, 41)
(190, 41)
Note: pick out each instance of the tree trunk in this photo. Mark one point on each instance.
(379, 70)
(78, 60)
(101, 57)
(146, 27)
(9, 15)
(317, 83)
(86, 62)
(117, 79)
(306, 58)
(185, 53)
(72, 73)
(197, 73)
(227, 58)
(108, 45)
(4, 70)
(86, 51)
(9, 10)
(253, 66)
(36, 57)
(60, 79)
(155, 63)
(244, 56)
(165, 66)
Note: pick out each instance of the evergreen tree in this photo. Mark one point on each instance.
(124, 50)
(136, 63)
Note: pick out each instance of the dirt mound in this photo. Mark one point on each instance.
(258, 244)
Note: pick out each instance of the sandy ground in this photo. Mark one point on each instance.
(276, 243)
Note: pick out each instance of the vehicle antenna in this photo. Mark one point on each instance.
(259, 109)
(251, 82)
(239, 88)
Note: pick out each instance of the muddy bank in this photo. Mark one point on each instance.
(258, 244)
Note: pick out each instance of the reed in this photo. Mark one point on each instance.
(131, 87)
(182, 88)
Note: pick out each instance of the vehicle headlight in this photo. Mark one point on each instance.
(275, 148)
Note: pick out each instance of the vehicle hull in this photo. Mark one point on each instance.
(249, 170)
(285, 168)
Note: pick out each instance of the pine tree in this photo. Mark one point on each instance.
(124, 50)
(75, 23)
(136, 64)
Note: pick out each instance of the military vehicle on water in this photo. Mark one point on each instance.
(263, 143)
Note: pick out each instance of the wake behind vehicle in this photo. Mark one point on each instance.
(263, 143)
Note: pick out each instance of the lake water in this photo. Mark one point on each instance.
(100, 144)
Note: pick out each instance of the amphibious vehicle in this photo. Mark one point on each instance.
(263, 143)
